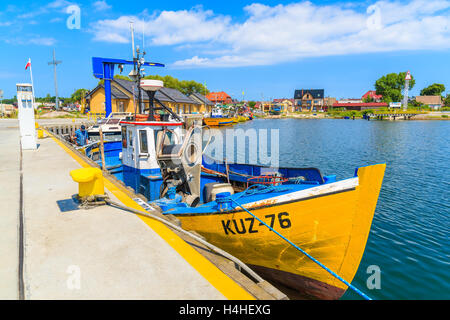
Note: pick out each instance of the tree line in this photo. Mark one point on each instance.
(186, 87)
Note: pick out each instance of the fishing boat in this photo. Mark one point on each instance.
(218, 122)
(329, 219)
(217, 118)
(285, 223)
(242, 119)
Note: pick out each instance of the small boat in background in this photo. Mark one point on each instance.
(218, 122)
(275, 110)
(109, 125)
(217, 118)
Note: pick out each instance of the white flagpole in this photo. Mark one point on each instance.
(32, 84)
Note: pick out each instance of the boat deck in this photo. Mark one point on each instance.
(102, 253)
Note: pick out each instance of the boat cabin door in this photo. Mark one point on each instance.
(138, 149)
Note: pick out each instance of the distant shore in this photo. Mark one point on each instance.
(433, 115)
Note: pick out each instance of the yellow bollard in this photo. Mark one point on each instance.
(40, 133)
(90, 181)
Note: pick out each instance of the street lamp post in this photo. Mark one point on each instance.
(55, 62)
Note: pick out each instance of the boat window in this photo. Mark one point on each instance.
(24, 88)
(124, 137)
(120, 106)
(143, 141)
(130, 137)
(169, 139)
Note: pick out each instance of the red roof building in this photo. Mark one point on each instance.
(284, 99)
(372, 94)
(219, 97)
(360, 105)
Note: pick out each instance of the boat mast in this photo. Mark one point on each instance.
(136, 73)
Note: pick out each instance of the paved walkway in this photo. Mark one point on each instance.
(102, 253)
(9, 208)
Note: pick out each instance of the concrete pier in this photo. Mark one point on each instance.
(100, 253)
(9, 208)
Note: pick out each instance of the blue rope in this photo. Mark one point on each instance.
(362, 294)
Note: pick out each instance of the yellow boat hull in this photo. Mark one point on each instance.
(332, 227)
(218, 122)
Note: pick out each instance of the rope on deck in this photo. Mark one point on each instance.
(359, 292)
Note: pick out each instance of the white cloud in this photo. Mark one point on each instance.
(31, 39)
(281, 33)
(43, 41)
(101, 5)
(167, 28)
(57, 5)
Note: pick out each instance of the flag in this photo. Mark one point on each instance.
(28, 64)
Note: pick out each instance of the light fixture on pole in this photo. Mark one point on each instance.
(55, 62)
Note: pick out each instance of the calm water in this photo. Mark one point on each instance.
(409, 239)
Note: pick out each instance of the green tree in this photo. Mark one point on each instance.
(447, 101)
(435, 89)
(48, 98)
(120, 76)
(368, 99)
(187, 87)
(10, 101)
(251, 104)
(78, 94)
(390, 86)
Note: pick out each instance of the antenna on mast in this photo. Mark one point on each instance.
(55, 62)
(132, 38)
(143, 35)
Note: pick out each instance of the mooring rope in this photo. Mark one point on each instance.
(362, 294)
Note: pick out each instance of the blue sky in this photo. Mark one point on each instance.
(265, 48)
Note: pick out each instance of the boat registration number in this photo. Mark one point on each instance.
(251, 225)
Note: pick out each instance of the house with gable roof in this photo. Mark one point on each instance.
(124, 98)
